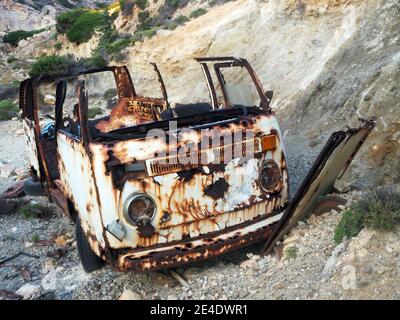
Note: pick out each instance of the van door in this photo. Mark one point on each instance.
(31, 126)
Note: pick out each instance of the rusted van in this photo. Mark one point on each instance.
(154, 185)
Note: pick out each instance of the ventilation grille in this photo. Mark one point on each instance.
(218, 155)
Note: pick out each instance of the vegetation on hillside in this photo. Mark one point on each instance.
(377, 210)
(14, 37)
(54, 65)
(8, 109)
(50, 65)
(197, 13)
(94, 111)
(80, 24)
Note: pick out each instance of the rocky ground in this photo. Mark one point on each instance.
(328, 62)
(311, 266)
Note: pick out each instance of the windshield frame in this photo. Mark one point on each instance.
(219, 63)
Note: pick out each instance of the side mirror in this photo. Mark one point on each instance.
(269, 94)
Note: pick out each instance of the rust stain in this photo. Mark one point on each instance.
(207, 206)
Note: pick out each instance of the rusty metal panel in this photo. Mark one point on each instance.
(131, 112)
(331, 163)
(196, 202)
(216, 243)
(171, 164)
(29, 131)
(80, 187)
(214, 206)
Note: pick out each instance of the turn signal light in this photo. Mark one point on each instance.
(268, 143)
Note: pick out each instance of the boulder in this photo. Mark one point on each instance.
(6, 170)
(128, 294)
(29, 291)
(49, 99)
(23, 43)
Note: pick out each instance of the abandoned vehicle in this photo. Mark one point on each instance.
(153, 185)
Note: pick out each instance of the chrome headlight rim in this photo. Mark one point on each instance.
(275, 186)
(130, 199)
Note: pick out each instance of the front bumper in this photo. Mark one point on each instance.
(201, 248)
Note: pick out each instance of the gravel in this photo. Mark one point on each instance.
(316, 267)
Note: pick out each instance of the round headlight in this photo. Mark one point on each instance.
(270, 176)
(139, 209)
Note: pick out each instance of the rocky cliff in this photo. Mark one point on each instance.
(36, 14)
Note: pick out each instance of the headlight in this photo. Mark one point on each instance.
(139, 209)
(270, 176)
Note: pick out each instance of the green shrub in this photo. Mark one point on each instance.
(136, 37)
(58, 46)
(15, 84)
(35, 211)
(143, 15)
(350, 225)
(16, 36)
(50, 65)
(148, 33)
(382, 209)
(110, 93)
(181, 19)
(291, 253)
(8, 105)
(8, 109)
(35, 238)
(93, 112)
(177, 22)
(377, 210)
(142, 4)
(118, 45)
(148, 23)
(94, 62)
(11, 59)
(172, 3)
(218, 2)
(197, 13)
(65, 20)
(110, 42)
(83, 28)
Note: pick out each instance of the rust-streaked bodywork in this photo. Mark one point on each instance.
(203, 209)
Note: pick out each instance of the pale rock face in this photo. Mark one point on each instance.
(371, 268)
(6, 170)
(29, 291)
(83, 50)
(130, 295)
(23, 43)
(16, 16)
(49, 99)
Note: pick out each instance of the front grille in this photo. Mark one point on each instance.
(216, 155)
